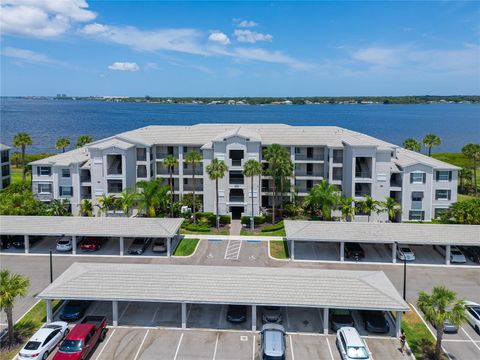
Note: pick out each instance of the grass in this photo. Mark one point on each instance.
(16, 175)
(279, 249)
(280, 232)
(27, 326)
(457, 159)
(186, 247)
(462, 197)
(213, 231)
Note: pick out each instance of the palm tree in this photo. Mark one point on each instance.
(216, 170)
(106, 202)
(22, 140)
(58, 208)
(153, 197)
(412, 144)
(126, 200)
(472, 152)
(323, 198)
(12, 286)
(193, 158)
(285, 171)
(62, 143)
(170, 162)
(369, 206)
(431, 140)
(86, 207)
(465, 175)
(274, 154)
(252, 168)
(442, 305)
(347, 208)
(392, 208)
(83, 140)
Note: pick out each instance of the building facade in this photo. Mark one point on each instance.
(359, 165)
(5, 175)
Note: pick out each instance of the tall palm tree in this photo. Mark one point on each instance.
(440, 306)
(62, 143)
(323, 198)
(431, 140)
(170, 162)
(193, 158)
(153, 197)
(472, 152)
(12, 286)
(347, 208)
(274, 154)
(106, 202)
(412, 144)
(86, 207)
(216, 170)
(126, 201)
(285, 171)
(83, 140)
(21, 140)
(252, 168)
(369, 206)
(464, 175)
(392, 208)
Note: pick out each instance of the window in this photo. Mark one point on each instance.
(298, 150)
(5, 156)
(44, 171)
(417, 196)
(141, 154)
(66, 191)
(416, 215)
(141, 171)
(417, 178)
(5, 183)
(439, 212)
(443, 175)
(66, 173)
(44, 188)
(5, 170)
(443, 194)
(185, 149)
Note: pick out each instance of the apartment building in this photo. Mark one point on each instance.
(4, 166)
(358, 164)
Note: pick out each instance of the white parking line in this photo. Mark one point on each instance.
(178, 347)
(140, 347)
(253, 348)
(105, 344)
(473, 342)
(233, 250)
(216, 344)
(291, 347)
(330, 349)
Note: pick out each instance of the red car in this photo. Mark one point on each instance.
(92, 243)
(82, 339)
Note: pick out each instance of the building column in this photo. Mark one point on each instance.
(325, 321)
(48, 304)
(342, 251)
(398, 324)
(121, 246)
(74, 245)
(447, 254)
(26, 243)
(115, 313)
(169, 247)
(254, 317)
(184, 315)
(394, 253)
(292, 249)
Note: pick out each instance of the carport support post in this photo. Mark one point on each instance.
(447, 254)
(342, 251)
(325, 321)
(394, 253)
(184, 315)
(115, 313)
(398, 324)
(74, 245)
(292, 250)
(169, 247)
(27, 243)
(254, 317)
(121, 246)
(48, 304)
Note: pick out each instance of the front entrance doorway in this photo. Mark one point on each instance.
(236, 212)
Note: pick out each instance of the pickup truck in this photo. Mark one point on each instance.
(82, 338)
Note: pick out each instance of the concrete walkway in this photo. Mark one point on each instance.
(231, 237)
(235, 227)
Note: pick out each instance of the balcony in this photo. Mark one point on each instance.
(337, 157)
(237, 198)
(337, 174)
(417, 205)
(162, 170)
(236, 181)
(189, 171)
(363, 174)
(163, 155)
(114, 164)
(362, 190)
(114, 186)
(236, 162)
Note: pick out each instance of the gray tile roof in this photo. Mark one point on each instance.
(76, 156)
(227, 285)
(407, 158)
(4, 147)
(405, 233)
(89, 226)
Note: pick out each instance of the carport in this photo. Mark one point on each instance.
(226, 285)
(78, 226)
(447, 235)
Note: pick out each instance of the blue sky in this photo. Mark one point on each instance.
(199, 48)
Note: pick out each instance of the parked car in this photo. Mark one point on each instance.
(354, 251)
(64, 244)
(351, 345)
(405, 253)
(456, 256)
(448, 327)
(74, 309)
(44, 341)
(19, 241)
(138, 246)
(159, 245)
(473, 315)
(273, 342)
(92, 243)
(340, 318)
(237, 313)
(6, 241)
(83, 338)
(472, 253)
(271, 314)
(375, 322)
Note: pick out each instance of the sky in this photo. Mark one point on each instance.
(175, 49)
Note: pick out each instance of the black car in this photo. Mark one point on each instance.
(472, 253)
(354, 251)
(237, 313)
(340, 318)
(138, 246)
(74, 310)
(375, 322)
(6, 241)
(19, 241)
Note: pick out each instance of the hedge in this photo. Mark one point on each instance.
(197, 227)
(256, 219)
(274, 227)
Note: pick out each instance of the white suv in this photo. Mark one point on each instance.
(64, 244)
(44, 341)
(351, 345)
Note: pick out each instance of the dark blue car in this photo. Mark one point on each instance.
(74, 310)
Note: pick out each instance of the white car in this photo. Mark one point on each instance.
(44, 341)
(405, 253)
(351, 345)
(473, 315)
(64, 244)
(456, 256)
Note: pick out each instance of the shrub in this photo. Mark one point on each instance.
(225, 219)
(274, 227)
(198, 227)
(206, 216)
(256, 219)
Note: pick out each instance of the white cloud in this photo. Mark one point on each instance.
(27, 55)
(124, 66)
(259, 54)
(245, 23)
(219, 37)
(251, 36)
(42, 18)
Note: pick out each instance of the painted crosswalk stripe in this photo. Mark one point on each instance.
(233, 249)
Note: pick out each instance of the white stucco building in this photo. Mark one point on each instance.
(5, 175)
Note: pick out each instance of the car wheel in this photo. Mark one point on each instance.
(103, 335)
(67, 330)
(45, 355)
(477, 329)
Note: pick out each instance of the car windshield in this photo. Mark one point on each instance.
(32, 345)
(138, 241)
(456, 252)
(357, 352)
(63, 242)
(406, 250)
(71, 346)
(51, 326)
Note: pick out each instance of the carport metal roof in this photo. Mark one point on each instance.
(227, 285)
(89, 226)
(404, 233)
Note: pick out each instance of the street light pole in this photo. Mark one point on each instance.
(51, 267)
(404, 275)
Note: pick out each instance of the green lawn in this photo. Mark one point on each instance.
(457, 159)
(462, 197)
(280, 232)
(186, 247)
(212, 231)
(16, 175)
(279, 249)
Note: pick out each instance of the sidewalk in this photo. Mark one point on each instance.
(235, 227)
(231, 237)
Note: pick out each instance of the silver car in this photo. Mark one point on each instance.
(64, 244)
(351, 345)
(273, 342)
(405, 253)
